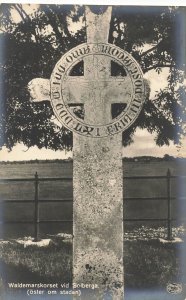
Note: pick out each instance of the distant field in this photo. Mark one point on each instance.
(27, 170)
(60, 169)
(63, 190)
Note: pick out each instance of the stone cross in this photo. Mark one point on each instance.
(97, 90)
(97, 151)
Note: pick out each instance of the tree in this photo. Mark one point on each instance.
(31, 48)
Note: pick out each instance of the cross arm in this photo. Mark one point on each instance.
(39, 89)
(74, 89)
(119, 90)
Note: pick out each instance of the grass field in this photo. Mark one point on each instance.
(148, 263)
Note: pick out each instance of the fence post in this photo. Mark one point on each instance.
(36, 212)
(169, 220)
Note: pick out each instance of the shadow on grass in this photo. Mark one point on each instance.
(20, 273)
(51, 264)
(151, 264)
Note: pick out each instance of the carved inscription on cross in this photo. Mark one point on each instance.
(97, 90)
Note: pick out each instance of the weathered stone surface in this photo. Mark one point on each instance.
(39, 89)
(97, 26)
(98, 190)
(98, 215)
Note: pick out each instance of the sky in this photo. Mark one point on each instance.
(144, 143)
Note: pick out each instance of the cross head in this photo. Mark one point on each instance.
(97, 90)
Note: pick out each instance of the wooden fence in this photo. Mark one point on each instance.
(36, 220)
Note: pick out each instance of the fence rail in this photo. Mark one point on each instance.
(36, 221)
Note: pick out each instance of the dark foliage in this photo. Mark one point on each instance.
(31, 48)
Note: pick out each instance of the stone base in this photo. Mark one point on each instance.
(175, 240)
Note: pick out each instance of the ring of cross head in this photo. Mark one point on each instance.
(97, 89)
